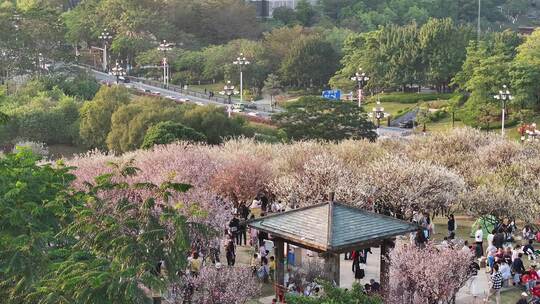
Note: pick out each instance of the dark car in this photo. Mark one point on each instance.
(409, 124)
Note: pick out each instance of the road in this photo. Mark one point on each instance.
(100, 76)
(409, 116)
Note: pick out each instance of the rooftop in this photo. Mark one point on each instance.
(332, 227)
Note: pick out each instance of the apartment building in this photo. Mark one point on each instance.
(265, 8)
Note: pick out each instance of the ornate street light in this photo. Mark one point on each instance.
(165, 47)
(241, 61)
(229, 91)
(504, 96)
(105, 37)
(361, 80)
(118, 71)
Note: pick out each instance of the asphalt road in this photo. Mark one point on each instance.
(100, 76)
(382, 131)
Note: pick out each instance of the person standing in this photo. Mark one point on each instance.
(230, 253)
(234, 226)
(478, 238)
(451, 227)
(496, 284)
(518, 268)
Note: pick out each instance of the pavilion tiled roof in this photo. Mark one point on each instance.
(332, 227)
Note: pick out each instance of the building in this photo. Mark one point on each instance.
(265, 8)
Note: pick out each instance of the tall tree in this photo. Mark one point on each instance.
(312, 61)
(443, 50)
(318, 118)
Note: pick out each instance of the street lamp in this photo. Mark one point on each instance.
(118, 71)
(164, 46)
(361, 79)
(229, 91)
(105, 37)
(241, 61)
(504, 95)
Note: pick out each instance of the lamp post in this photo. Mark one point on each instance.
(241, 61)
(229, 91)
(164, 46)
(504, 96)
(361, 79)
(105, 37)
(118, 71)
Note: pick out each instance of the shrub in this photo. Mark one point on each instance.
(411, 97)
(167, 132)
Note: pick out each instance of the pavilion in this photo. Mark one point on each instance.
(330, 229)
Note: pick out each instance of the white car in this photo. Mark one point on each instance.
(199, 103)
(254, 114)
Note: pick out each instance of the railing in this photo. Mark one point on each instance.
(171, 87)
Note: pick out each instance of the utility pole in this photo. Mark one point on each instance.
(478, 29)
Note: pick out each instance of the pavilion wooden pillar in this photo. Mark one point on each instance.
(331, 266)
(279, 276)
(386, 246)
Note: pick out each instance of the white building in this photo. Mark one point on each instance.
(265, 8)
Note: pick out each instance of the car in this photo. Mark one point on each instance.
(199, 103)
(254, 114)
(251, 105)
(409, 124)
(184, 100)
(238, 107)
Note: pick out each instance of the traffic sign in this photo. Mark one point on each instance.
(332, 94)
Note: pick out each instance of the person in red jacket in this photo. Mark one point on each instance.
(533, 277)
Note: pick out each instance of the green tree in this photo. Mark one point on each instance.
(285, 14)
(305, 13)
(34, 208)
(443, 50)
(526, 72)
(318, 118)
(214, 123)
(131, 121)
(118, 258)
(312, 61)
(95, 123)
(168, 132)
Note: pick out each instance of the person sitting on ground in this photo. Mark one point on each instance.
(375, 287)
(533, 277)
(466, 247)
(529, 250)
(444, 243)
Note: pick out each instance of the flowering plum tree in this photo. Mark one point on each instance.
(426, 275)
